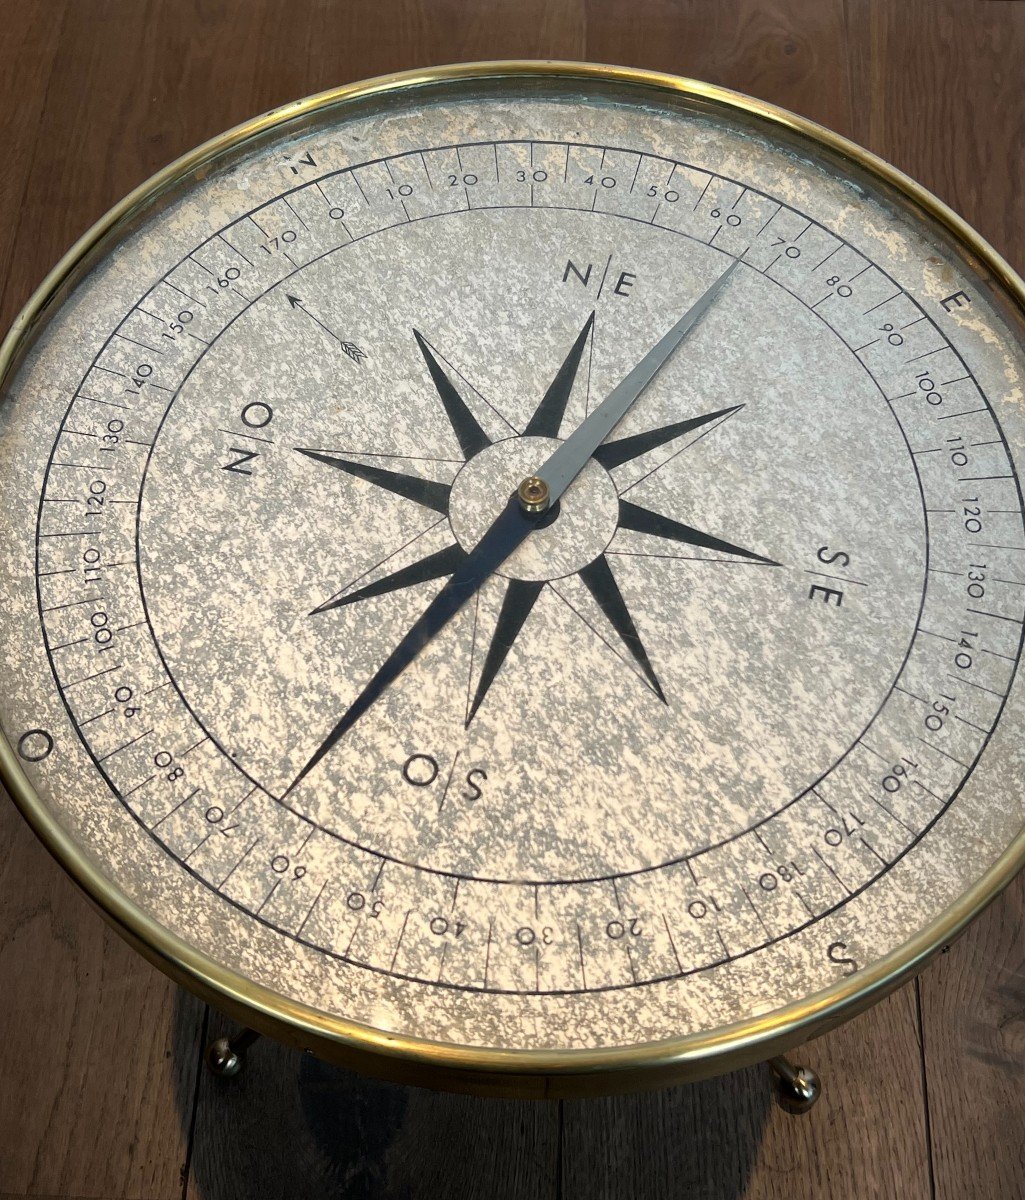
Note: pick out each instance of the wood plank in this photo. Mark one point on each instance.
(726, 1138)
(790, 52)
(83, 154)
(30, 47)
(973, 1009)
(100, 1066)
(360, 39)
(292, 1126)
(938, 92)
(941, 97)
(99, 1055)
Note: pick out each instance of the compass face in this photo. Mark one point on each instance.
(735, 717)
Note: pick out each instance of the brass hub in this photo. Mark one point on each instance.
(534, 495)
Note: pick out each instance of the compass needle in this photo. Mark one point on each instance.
(504, 535)
(511, 609)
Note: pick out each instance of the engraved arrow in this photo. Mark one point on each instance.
(356, 353)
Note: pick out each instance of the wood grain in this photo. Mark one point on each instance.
(30, 48)
(98, 1068)
(727, 1138)
(294, 1127)
(973, 1028)
(97, 1060)
(937, 89)
(790, 52)
(103, 93)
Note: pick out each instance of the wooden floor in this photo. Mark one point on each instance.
(101, 1094)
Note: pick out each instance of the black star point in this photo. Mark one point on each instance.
(468, 430)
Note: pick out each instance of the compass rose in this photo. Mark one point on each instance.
(487, 470)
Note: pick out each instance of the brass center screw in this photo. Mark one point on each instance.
(533, 494)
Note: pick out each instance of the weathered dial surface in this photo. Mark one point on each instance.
(735, 721)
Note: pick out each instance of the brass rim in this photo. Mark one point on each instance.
(508, 1072)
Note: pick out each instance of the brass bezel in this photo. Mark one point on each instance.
(522, 1073)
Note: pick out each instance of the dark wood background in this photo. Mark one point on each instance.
(101, 1092)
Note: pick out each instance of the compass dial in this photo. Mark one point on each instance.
(714, 732)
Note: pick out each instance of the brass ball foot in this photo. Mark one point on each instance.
(225, 1057)
(797, 1089)
(222, 1060)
